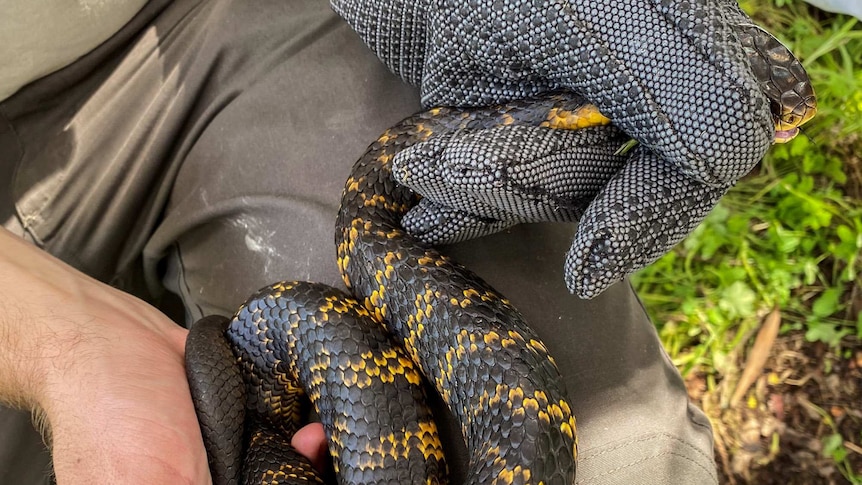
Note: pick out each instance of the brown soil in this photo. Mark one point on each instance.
(775, 434)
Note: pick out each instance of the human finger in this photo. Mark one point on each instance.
(310, 442)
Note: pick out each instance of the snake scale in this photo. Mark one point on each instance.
(414, 316)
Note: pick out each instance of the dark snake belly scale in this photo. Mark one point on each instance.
(414, 315)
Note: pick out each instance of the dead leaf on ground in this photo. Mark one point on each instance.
(758, 355)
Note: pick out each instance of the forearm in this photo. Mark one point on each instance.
(106, 369)
(57, 324)
(24, 322)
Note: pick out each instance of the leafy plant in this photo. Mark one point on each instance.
(788, 236)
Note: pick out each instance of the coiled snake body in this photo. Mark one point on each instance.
(441, 322)
(476, 350)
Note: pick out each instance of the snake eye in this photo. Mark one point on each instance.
(776, 109)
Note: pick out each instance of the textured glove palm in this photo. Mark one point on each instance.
(669, 73)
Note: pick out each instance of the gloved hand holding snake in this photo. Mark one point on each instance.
(695, 82)
(701, 89)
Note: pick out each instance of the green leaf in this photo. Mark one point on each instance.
(846, 234)
(834, 169)
(737, 300)
(825, 332)
(828, 302)
(811, 270)
(850, 243)
(833, 447)
(690, 306)
(788, 241)
(709, 246)
(799, 146)
(738, 223)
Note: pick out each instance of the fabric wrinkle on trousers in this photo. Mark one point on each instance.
(201, 152)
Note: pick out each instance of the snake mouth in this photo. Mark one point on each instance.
(784, 136)
(791, 117)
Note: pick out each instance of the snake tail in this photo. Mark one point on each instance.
(215, 380)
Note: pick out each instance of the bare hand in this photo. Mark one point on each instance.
(105, 368)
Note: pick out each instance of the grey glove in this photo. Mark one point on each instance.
(475, 183)
(631, 209)
(669, 73)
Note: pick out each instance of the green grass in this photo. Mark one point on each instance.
(789, 236)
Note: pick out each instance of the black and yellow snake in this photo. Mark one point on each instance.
(414, 315)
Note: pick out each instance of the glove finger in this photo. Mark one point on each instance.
(529, 173)
(420, 168)
(534, 173)
(452, 169)
(641, 214)
(434, 223)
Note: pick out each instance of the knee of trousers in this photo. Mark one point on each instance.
(636, 424)
(645, 433)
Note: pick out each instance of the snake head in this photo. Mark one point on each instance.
(782, 78)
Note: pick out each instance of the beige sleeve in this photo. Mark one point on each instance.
(38, 37)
